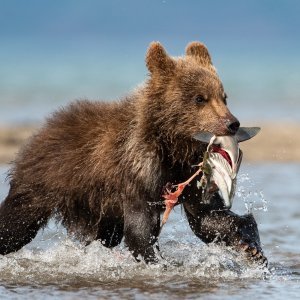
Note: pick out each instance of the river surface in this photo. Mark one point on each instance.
(54, 266)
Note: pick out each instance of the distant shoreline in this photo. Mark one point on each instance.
(277, 142)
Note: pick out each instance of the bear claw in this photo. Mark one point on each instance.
(254, 252)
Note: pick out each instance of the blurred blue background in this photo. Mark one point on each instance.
(54, 51)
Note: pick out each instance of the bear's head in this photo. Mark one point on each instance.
(185, 95)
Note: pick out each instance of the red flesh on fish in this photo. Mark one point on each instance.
(223, 153)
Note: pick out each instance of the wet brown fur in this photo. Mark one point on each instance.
(101, 167)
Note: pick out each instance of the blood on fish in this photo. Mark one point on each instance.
(221, 151)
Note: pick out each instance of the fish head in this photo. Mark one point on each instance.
(228, 145)
(224, 158)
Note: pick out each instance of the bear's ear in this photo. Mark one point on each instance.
(158, 61)
(199, 52)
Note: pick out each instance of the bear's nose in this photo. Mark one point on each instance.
(233, 126)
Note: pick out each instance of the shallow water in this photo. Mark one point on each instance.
(55, 266)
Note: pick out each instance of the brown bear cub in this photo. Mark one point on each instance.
(101, 166)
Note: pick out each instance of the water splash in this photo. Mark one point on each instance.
(253, 199)
(68, 261)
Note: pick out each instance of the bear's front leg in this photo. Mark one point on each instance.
(141, 229)
(225, 226)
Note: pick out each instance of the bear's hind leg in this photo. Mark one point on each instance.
(20, 220)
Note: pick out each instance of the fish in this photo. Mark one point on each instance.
(222, 158)
(219, 168)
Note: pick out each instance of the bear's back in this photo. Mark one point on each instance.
(75, 147)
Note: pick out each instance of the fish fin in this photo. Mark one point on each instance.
(203, 136)
(246, 133)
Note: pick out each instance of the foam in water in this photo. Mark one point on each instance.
(65, 260)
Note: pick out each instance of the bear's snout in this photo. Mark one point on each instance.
(226, 125)
(233, 125)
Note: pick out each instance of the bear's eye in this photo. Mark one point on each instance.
(199, 99)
